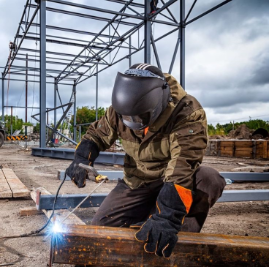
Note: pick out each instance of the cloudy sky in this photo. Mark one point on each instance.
(227, 57)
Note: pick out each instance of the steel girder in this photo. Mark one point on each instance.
(70, 201)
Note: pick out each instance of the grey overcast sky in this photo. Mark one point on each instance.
(227, 58)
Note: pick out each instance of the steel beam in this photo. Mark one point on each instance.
(77, 14)
(147, 32)
(246, 176)
(68, 153)
(106, 11)
(109, 246)
(55, 104)
(96, 95)
(233, 176)
(22, 38)
(182, 44)
(72, 200)
(52, 27)
(244, 195)
(75, 112)
(63, 42)
(68, 201)
(42, 91)
(3, 97)
(208, 11)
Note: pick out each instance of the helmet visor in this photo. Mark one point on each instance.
(138, 122)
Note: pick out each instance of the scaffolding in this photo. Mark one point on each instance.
(117, 34)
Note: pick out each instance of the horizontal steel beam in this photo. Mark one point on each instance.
(68, 153)
(244, 195)
(51, 27)
(106, 11)
(233, 176)
(246, 176)
(72, 200)
(52, 53)
(87, 16)
(63, 42)
(68, 201)
(109, 246)
(129, 4)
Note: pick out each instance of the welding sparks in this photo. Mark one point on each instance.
(57, 227)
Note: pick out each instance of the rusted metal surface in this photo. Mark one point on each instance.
(107, 246)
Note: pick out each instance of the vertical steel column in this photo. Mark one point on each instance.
(96, 112)
(11, 123)
(147, 33)
(3, 95)
(175, 53)
(55, 105)
(26, 93)
(42, 91)
(130, 51)
(79, 137)
(182, 43)
(75, 111)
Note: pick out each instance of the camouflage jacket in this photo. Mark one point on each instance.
(173, 147)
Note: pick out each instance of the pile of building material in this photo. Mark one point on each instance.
(11, 186)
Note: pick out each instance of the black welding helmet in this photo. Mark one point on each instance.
(140, 95)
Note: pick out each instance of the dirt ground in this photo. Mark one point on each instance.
(244, 218)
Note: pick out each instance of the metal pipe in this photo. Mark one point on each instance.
(75, 111)
(42, 93)
(155, 52)
(175, 54)
(207, 12)
(11, 122)
(55, 105)
(26, 92)
(96, 112)
(147, 32)
(182, 43)
(130, 51)
(3, 96)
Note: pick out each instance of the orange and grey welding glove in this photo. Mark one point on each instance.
(86, 153)
(159, 232)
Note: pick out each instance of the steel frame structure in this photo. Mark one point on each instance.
(118, 39)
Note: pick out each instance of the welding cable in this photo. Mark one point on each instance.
(36, 232)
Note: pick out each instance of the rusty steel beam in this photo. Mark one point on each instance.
(108, 246)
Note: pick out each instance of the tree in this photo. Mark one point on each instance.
(16, 123)
(86, 115)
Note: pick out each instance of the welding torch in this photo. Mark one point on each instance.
(93, 175)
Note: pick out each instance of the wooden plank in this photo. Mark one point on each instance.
(108, 246)
(59, 214)
(17, 187)
(226, 143)
(29, 211)
(243, 143)
(265, 150)
(5, 191)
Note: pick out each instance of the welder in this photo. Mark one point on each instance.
(163, 131)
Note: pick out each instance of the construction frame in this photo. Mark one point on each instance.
(127, 30)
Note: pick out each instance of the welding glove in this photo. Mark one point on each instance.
(159, 232)
(86, 153)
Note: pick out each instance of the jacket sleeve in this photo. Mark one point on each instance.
(104, 131)
(188, 141)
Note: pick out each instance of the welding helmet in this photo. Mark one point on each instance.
(140, 95)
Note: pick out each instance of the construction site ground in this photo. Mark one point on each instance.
(242, 218)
